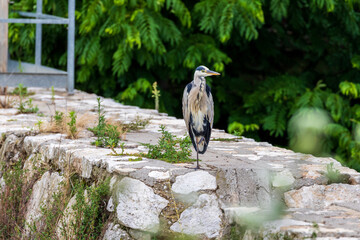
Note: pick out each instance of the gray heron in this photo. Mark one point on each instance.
(198, 110)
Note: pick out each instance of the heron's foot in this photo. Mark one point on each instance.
(197, 165)
(194, 168)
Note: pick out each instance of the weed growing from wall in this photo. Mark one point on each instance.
(52, 95)
(27, 106)
(24, 106)
(20, 90)
(107, 135)
(156, 95)
(51, 213)
(90, 211)
(39, 124)
(59, 119)
(13, 198)
(334, 176)
(86, 219)
(170, 148)
(72, 125)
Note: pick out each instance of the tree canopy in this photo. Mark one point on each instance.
(276, 58)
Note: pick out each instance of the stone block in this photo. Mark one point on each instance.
(138, 207)
(321, 196)
(42, 196)
(202, 218)
(114, 232)
(193, 182)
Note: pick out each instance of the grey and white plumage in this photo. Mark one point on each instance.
(198, 110)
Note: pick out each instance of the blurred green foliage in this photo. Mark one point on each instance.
(275, 56)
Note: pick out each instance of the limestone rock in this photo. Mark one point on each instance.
(204, 217)
(159, 175)
(32, 164)
(283, 179)
(42, 193)
(194, 181)
(9, 148)
(32, 142)
(244, 187)
(114, 232)
(138, 207)
(2, 184)
(320, 196)
(110, 206)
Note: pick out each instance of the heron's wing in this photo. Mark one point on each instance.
(208, 120)
(185, 104)
(210, 106)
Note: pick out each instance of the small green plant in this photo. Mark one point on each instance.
(122, 146)
(334, 176)
(238, 129)
(59, 118)
(99, 130)
(13, 198)
(39, 124)
(135, 159)
(72, 124)
(156, 95)
(90, 214)
(27, 106)
(135, 125)
(112, 136)
(170, 148)
(21, 107)
(20, 90)
(52, 95)
(107, 135)
(30, 107)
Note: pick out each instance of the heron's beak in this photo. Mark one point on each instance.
(212, 72)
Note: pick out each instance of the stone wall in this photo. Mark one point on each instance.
(241, 183)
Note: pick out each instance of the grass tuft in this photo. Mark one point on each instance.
(72, 125)
(170, 148)
(108, 135)
(334, 176)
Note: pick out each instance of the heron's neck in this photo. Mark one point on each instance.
(201, 82)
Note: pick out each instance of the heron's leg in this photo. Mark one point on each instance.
(197, 156)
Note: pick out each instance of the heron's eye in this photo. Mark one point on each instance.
(202, 70)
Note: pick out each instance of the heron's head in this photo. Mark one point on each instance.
(203, 71)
